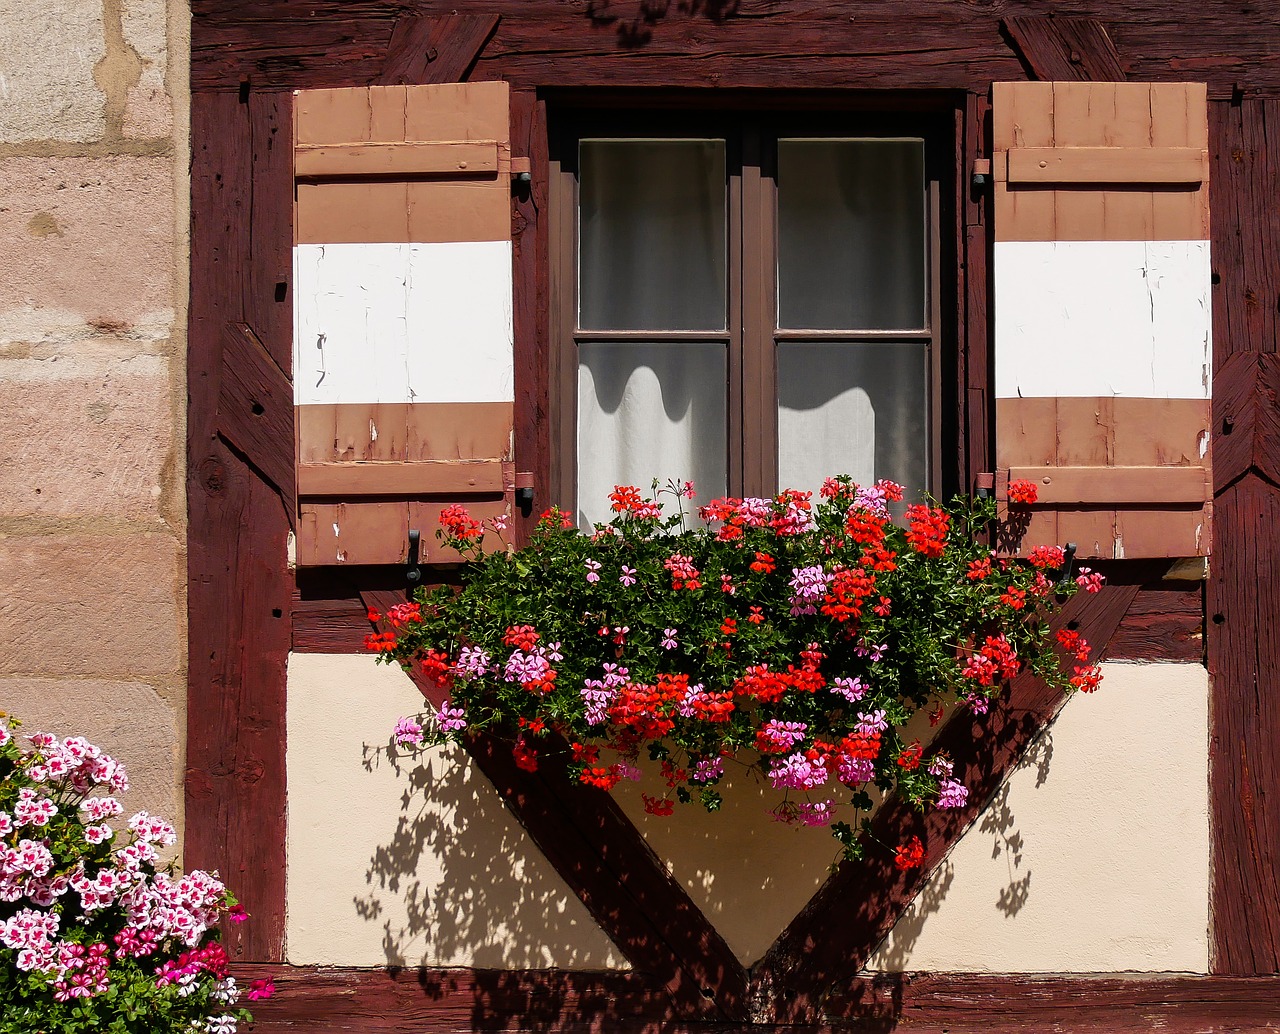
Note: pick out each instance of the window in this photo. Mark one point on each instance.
(748, 303)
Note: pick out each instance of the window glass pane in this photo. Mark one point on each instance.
(851, 234)
(857, 409)
(651, 235)
(649, 411)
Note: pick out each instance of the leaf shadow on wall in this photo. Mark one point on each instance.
(635, 20)
(1001, 824)
(457, 882)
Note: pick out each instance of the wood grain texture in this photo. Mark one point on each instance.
(1065, 49)
(1246, 417)
(335, 1001)
(872, 44)
(411, 158)
(436, 49)
(834, 934)
(404, 431)
(1114, 133)
(1185, 166)
(1164, 623)
(255, 410)
(311, 1000)
(238, 583)
(530, 235)
(401, 478)
(974, 373)
(1246, 226)
(1244, 660)
(1243, 604)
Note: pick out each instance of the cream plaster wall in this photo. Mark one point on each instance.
(1093, 857)
(93, 228)
(405, 864)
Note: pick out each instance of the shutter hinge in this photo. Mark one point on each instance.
(520, 484)
(983, 485)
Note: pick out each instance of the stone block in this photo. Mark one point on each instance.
(129, 720)
(148, 108)
(90, 243)
(91, 604)
(86, 437)
(46, 71)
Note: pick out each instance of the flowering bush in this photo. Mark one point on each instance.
(793, 639)
(92, 936)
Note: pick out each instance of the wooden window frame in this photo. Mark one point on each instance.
(751, 334)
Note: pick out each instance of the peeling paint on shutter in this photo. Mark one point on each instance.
(1102, 322)
(404, 374)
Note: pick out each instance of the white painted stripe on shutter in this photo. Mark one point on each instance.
(1127, 319)
(403, 323)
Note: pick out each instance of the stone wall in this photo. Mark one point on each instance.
(93, 228)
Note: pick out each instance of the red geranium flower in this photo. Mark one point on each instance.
(1023, 492)
(910, 855)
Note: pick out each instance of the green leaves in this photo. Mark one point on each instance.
(829, 619)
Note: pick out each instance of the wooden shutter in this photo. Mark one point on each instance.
(403, 369)
(1102, 348)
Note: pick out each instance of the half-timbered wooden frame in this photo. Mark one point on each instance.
(248, 609)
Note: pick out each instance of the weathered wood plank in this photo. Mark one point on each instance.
(530, 290)
(975, 373)
(238, 584)
(1246, 417)
(311, 1000)
(255, 410)
(440, 49)
(412, 158)
(831, 938)
(1245, 226)
(874, 44)
(328, 1001)
(266, 284)
(400, 478)
(973, 1003)
(1244, 660)
(1183, 166)
(1165, 623)
(1065, 49)
(1243, 592)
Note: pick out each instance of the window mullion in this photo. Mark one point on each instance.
(736, 372)
(759, 395)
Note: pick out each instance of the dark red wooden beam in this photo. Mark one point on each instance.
(1065, 49)
(255, 411)
(239, 586)
(344, 1001)
(1243, 626)
(761, 44)
(827, 944)
(435, 48)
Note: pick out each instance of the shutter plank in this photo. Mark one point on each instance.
(408, 158)
(400, 478)
(1177, 120)
(1022, 116)
(1096, 485)
(1045, 165)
